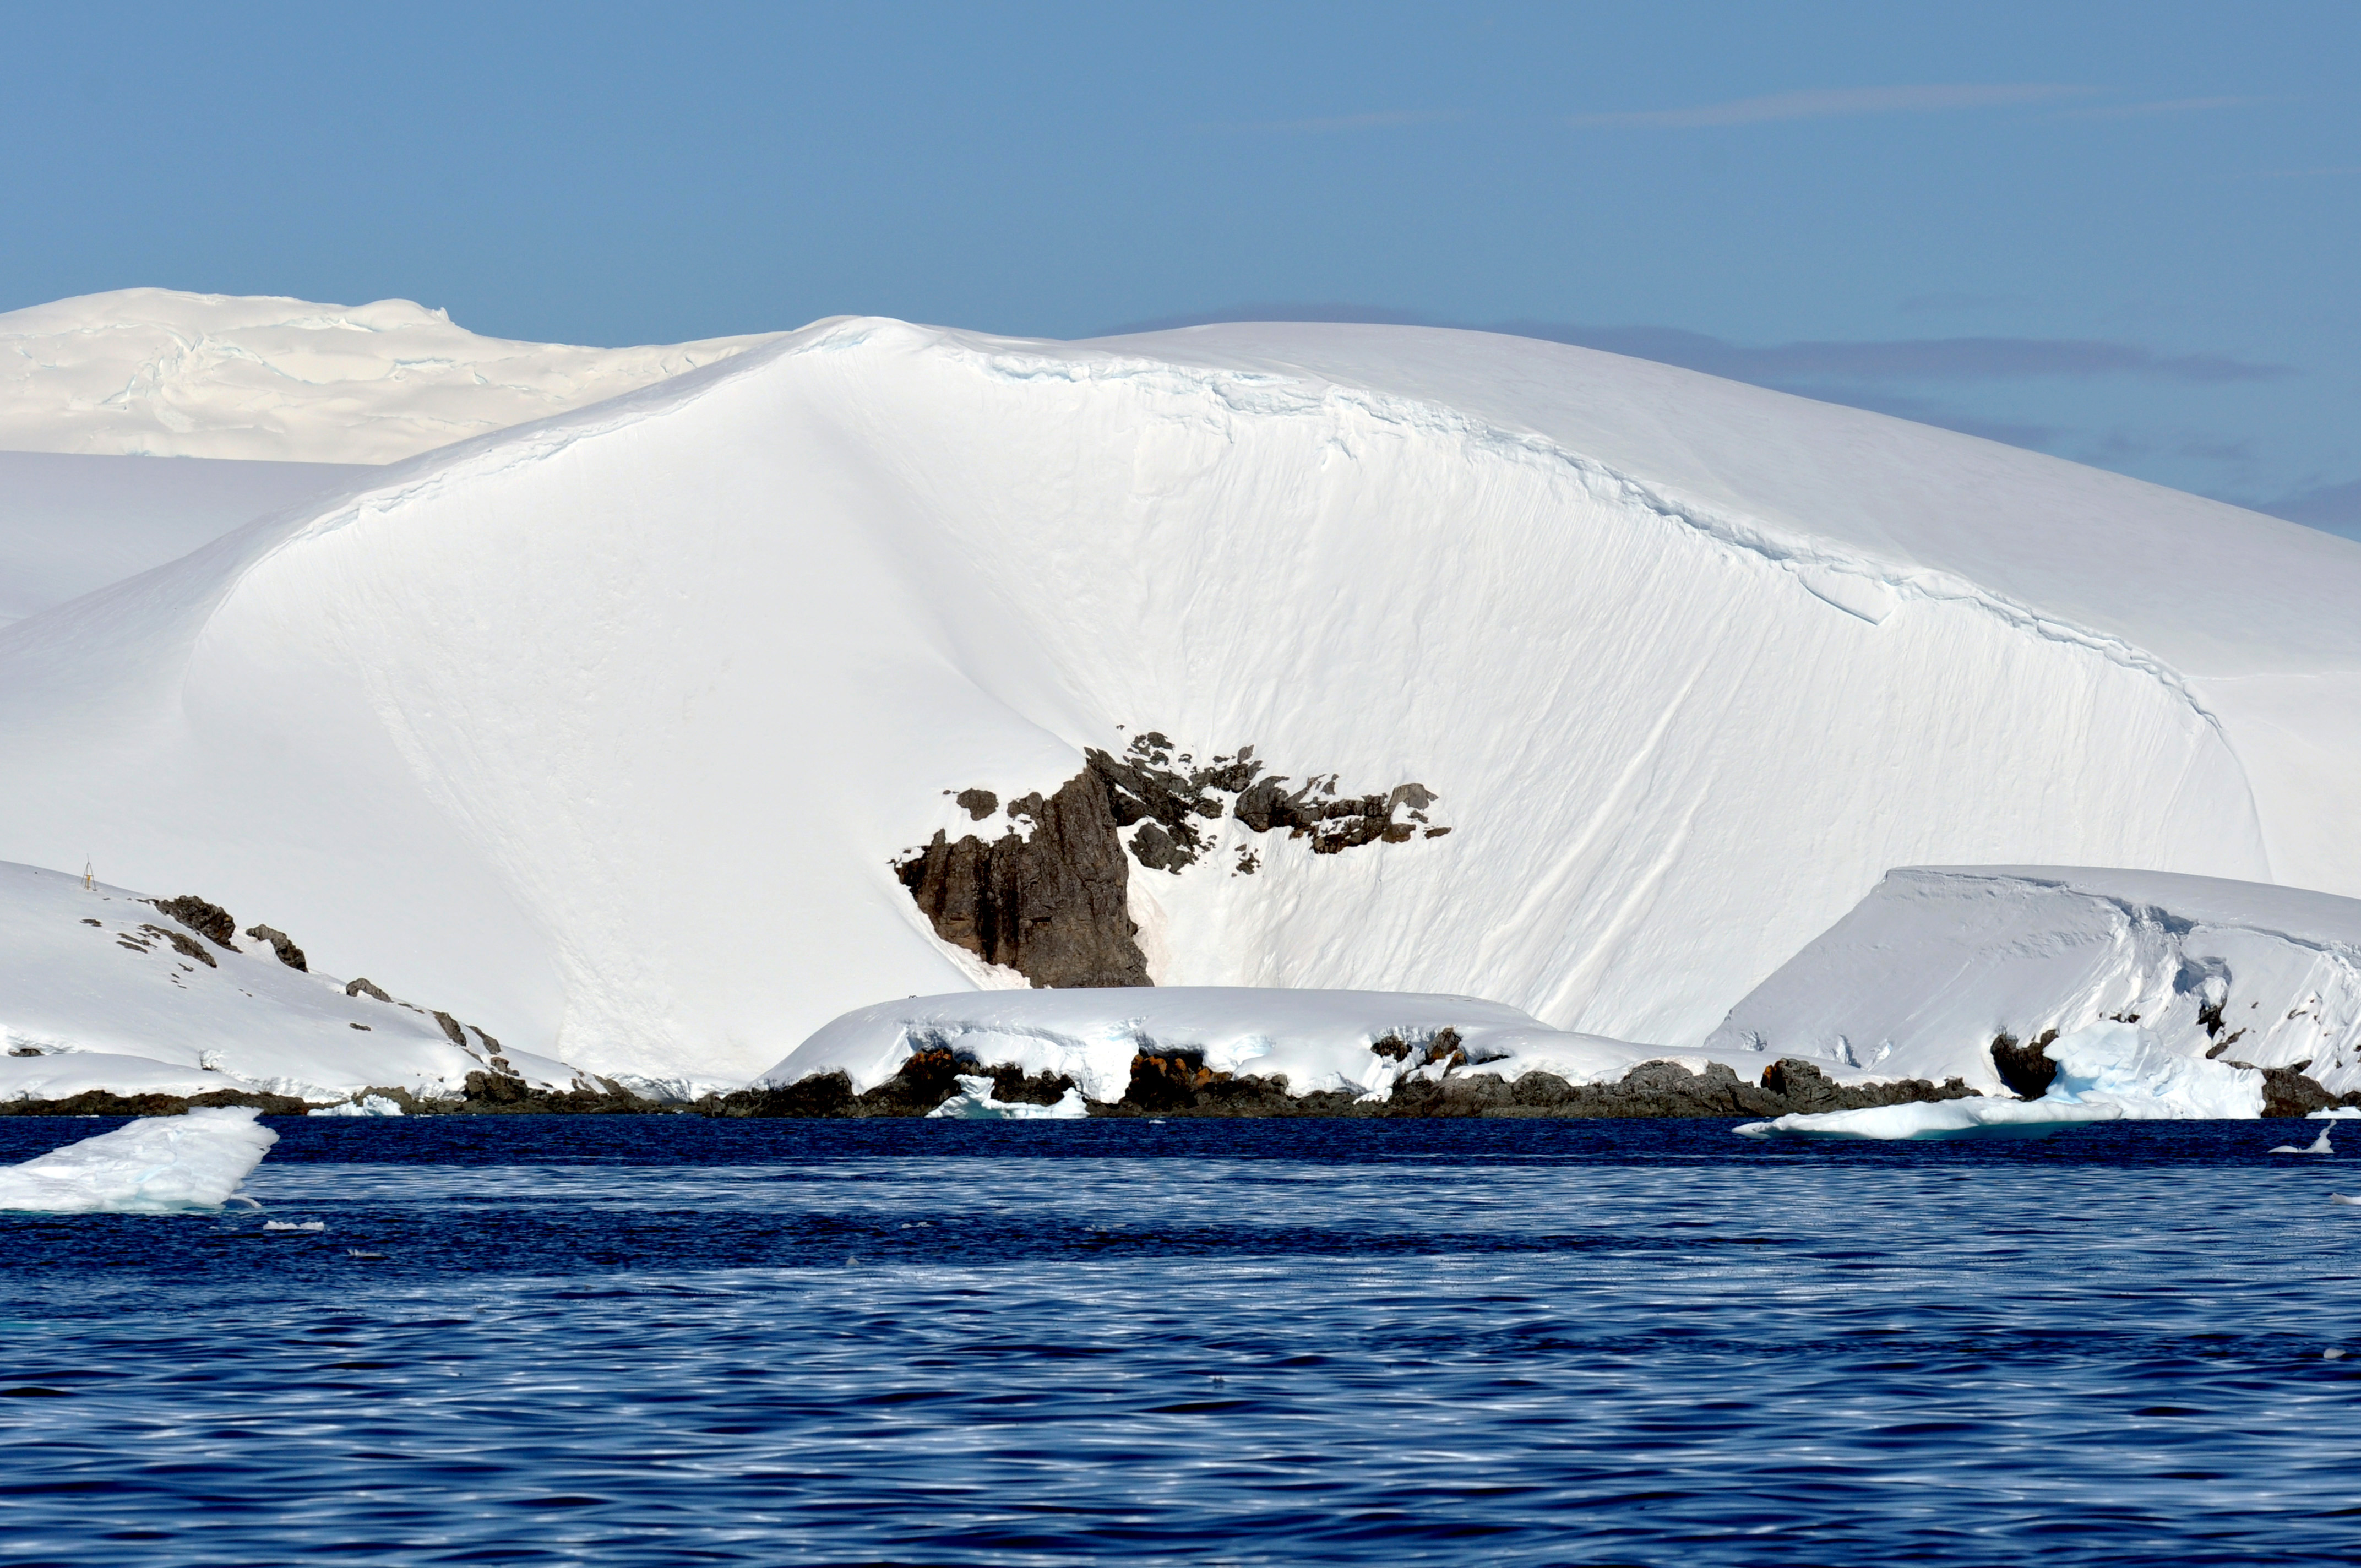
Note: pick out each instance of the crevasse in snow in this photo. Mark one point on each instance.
(606, 728)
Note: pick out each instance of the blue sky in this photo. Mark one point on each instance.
(2127, 234)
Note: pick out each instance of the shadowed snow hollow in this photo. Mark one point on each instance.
(605, 731)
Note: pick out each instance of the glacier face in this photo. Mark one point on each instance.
(605, 730)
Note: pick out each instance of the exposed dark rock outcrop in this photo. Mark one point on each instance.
(208, 920)
(363, 988)
(2022, 1068)
(1178, 1083)
(1051, 906)
(924, 1082)
(188, 947)
(281, 944)
(100, 1103)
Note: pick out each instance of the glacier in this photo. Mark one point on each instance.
(607, 728)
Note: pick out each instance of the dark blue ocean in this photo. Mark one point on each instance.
(673, 1340)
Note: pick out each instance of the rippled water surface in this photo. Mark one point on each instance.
(670, 1341)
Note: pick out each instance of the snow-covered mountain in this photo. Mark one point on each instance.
(155, 372)
(1599, 688)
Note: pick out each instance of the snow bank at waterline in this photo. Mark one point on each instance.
(1319, 1041)
(2106, 1072)
(605, 731)
(158, 1165)
(1919, 978)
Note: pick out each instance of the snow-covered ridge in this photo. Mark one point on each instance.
(101, 990)
(1937, 961)
(155, 372)
(622, 716)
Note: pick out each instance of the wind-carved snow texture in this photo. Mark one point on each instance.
(1986, 971)
(1049, 897)
(158, 1165)
(1697, 662)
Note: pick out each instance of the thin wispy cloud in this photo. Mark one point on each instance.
(1385, 119)
(2162, 106)
(1838, 103)
(1808, 364)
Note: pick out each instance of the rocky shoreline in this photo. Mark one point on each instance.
(1164, 1086)
(1180, 1084)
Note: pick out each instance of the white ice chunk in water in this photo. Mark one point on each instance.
(367, 1105)
(2318, 1145)
(974, 1102)
(293, 1225)
(1970, 1118)
(158, 1165)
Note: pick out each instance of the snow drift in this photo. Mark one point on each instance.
(155, 372)
(158, 1165)
(1920, 977)
(607, 730)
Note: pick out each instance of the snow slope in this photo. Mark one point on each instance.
(155, 372)
(604, 729)
(95, 993)
(71, 523)
(1924, 973)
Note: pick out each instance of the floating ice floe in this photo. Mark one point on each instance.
(294, 1225)
(974, 1102)
(158, 1165)
(367, 1105)
(1970, 1118)
(2318, 1145)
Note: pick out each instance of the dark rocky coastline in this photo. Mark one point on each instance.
(1172, 1085)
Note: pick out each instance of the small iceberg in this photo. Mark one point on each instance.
(974, 1102)
(287, 1225)
(367, 1106)
(1977, 1118)
(158, 1165)
(2318, 1145)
